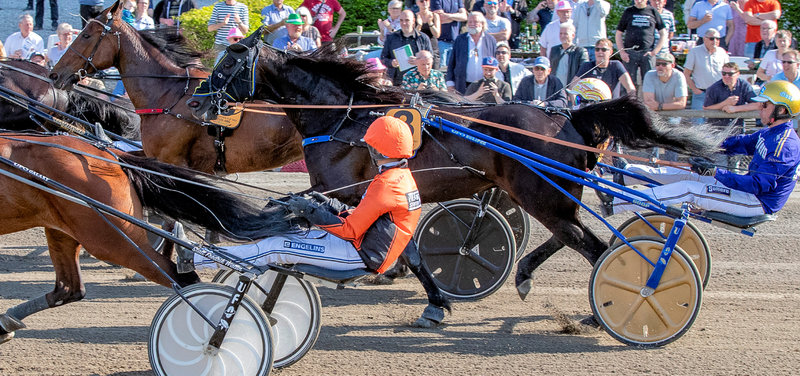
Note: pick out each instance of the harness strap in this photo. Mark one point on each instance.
(150, 111)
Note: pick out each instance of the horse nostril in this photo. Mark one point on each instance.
(53, 76)
(193, 104)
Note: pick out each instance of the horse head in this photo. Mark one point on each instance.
(233, 79)
(93, 50)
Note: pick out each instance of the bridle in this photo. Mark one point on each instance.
(241, 81)
(83, 72)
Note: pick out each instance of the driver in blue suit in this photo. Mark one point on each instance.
(770, 179)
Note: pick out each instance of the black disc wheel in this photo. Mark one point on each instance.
(466, 271)
(517, 218)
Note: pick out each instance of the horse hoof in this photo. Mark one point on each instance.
(381, 280)
(6, 337)
(424, 323)
(524, 288)
(591, 321)
(9, 324)
(136, 277)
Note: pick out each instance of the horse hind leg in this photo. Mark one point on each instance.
(529, 263)
(64, 252)
(433, 315)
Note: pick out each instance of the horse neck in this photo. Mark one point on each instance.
(139, 59)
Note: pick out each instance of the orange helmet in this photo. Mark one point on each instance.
(391, 137)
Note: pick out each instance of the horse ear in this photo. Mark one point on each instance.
(253, 38)
(115, 11)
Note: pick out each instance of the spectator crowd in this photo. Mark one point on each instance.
(464, 46)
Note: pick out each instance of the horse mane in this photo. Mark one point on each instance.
(353, 76)
(117, 117)
(173, 45)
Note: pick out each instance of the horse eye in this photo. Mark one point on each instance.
(86, 36)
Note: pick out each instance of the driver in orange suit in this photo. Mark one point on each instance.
(372, 235)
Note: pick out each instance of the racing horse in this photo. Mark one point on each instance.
(29, 79)
(160, 72)
(68, 225)
(445, 166)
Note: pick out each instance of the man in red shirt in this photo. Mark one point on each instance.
(322, 11)
(754, 13)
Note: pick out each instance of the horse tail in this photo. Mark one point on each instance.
(203, 205)
(118, 117)
(631, 123)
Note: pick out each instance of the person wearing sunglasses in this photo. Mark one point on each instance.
(730, 94)
(665, 89)
(612, 72)
(772, 63)
(791, 71)
(541, 89)
(509, 71)
(392, 22)
(497, 26)
(771, 176)
(703, 67)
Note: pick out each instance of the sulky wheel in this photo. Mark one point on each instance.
(517, 218)
(178, 335)
(296, 312)
(477, 270)
(691, 241)
(618, 305)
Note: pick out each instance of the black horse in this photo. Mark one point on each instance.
(118, 117)
(446, 166)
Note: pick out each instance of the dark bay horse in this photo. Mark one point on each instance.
(160, 72)
(323, 78)
(68, 225)
(118, 117)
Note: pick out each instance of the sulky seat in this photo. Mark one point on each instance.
(338, 277)
(736, 221)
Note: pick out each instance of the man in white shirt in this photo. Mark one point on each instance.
(22, 44)
(550, 35)
(703, 67)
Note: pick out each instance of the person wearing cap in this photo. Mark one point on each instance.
(770, 179)
(589, 18)
(38, 58)
(703, 67)
(541, 89)
(509, 71)
(612, 72)
(408, 35)
(294, 39)
(712, 14)
(489, 89)
(451, 14)
(551, 33)
(515, 11)
(665, 89)
(496, 25)
(567, 57)
(469, 49)
(377, 69)
(635, 38)
(423, 76)
(234, 36)
(371, 235)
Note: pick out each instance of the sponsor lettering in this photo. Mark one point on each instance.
(414, 202)
(761, 148)
(641, 20)
(288, 244)
(718, 190)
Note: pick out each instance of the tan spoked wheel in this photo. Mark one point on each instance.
(691, 241)
(615, 294)
(296, 313)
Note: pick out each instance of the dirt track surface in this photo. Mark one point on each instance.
(749, 322)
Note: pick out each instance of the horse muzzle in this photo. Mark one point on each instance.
(203, 108)
(65, 82)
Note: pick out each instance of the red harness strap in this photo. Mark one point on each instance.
(150, 111)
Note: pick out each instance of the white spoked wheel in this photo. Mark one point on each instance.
(691, 241)
(179, 336)
(655, 320)
(297, 314)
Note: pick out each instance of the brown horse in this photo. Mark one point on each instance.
(160, 72)
(68, 225)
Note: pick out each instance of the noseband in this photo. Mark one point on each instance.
(83, 72)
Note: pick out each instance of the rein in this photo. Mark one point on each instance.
(106, 30)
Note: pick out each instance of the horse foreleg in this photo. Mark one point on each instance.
(69, 287)
(529, 263)
(433, 314)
